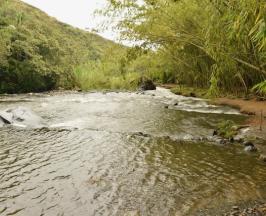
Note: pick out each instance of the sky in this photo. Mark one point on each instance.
(78, 13)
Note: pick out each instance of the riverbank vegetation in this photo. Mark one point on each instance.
(39, 53)
(216, 46)
(219, 45)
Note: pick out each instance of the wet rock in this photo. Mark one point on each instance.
(20, 116)
(239, 138)
(263, 158)
(176, 104)
(232, 140)
(192, 94)
(5, 118)
(147, 84)
(188, 137)
(250, 149)
(249, 146)
(166, 106)
(248, 143)
(223, 141)
(218, 140)
(215, 133)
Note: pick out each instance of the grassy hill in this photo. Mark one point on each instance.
(39, 53)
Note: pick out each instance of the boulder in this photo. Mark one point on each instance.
(147, 84)
(215, 133)
(6, 117)
(20, 116)
(250, 148)
(248, 143)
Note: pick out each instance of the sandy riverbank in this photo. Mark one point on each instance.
(255, 109)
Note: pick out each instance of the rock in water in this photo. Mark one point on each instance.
(5, 117)
(215, 133)
(250, 148)
(20, 116)
(147, 85)
(248, 143)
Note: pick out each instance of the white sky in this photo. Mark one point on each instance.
(78, 13)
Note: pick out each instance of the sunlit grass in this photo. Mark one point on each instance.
(93, 78)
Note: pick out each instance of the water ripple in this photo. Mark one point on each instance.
(104, 165)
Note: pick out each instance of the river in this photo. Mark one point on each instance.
(122, 154)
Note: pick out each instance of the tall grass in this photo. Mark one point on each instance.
(92, 76)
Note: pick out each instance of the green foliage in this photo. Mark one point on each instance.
(227, 129)
(260, 88)
(91, 77)
(218, 44)
(38, 53)
(214, 88)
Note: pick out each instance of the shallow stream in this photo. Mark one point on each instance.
(122, 154)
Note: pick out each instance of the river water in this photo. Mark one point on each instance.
(122, 154)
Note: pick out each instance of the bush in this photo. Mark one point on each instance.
(227, 129)
(260, 88)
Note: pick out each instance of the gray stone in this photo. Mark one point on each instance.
(250, 148)
(6, 117)
(20, 116)
(239, 138)
(248, 143)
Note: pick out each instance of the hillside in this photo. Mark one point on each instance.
(39, 53)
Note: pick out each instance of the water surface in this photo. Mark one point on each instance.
(122, 153)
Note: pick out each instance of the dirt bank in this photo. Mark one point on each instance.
(256, 110)
(250, 107)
